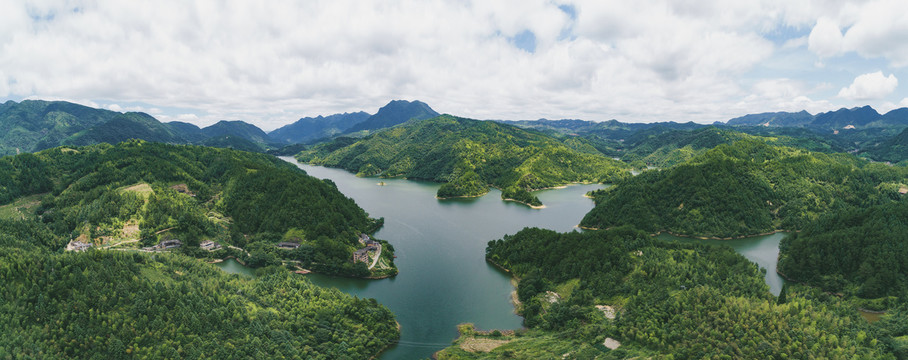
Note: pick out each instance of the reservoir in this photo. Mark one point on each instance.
(440, 245)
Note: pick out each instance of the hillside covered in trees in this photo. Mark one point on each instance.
(745, 188)
(858, 252)
(140, 193)
(468, 156)
(582, 292)
(117, 305)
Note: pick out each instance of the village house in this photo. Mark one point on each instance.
(361, 255)
(170, 244)
(79, 246)
(287, 245)
(366, 240)
(209, 245)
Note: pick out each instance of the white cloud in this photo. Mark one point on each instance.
(825, 39)
(870, 86)
(272, 62)
(114, 107)
(880, 30)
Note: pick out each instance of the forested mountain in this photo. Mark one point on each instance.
(662, 148)
(124, 127)
(858, 117)
(123, 301)
(236, 128)
(744, 188)
(313, 128)
(34, 125)
(143, 193)
(394, 113)
(782, 118)
(188, 131)
(859, 252)
(894, 149)
(610, 130)
(468, 156)
(658, 300)
(114, 305)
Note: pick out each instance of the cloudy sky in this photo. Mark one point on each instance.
(272, 62)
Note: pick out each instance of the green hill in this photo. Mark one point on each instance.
(859, 252)
(116, 305)
(124, 127)
(149, 192)
(894, 149)
(744, 188)
(236, 128)
(313, 128)
(582, 292)
(394, 113)
(118, 300)
(33, 125)
(468, 156)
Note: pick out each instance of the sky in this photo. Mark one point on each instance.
(271, 62)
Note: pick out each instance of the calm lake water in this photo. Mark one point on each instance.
(444, 279)
(763, 250)
(440, 245)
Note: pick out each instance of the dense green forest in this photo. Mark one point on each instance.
(858, 252)
(116, 305)
(138, 193)
(666, 300)
(893, 150)
(745, 188)
(468, 156)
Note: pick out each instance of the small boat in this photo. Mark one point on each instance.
(381, 183)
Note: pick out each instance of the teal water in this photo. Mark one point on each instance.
(234, 267)
(763, 250)
(440, 245)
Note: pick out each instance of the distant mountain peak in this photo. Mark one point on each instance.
(396, 112)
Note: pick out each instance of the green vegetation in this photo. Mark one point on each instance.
(34, 125)
(669, 301)
(251, 201)
(115, 305)
(468, 156)
(858, 252)
(892, 150)
(744, 188)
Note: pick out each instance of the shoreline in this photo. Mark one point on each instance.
(461, 197)
(389, 345)
(539, 207)
(564, 186)
(773, 232)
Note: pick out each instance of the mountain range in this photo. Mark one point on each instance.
(34, 125)
(854, 118)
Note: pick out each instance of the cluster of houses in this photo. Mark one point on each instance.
(164, 245)
(363, 254)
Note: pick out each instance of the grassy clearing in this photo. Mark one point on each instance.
(142, 189)
(20, 208)
(567, 288)
(481, 344)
